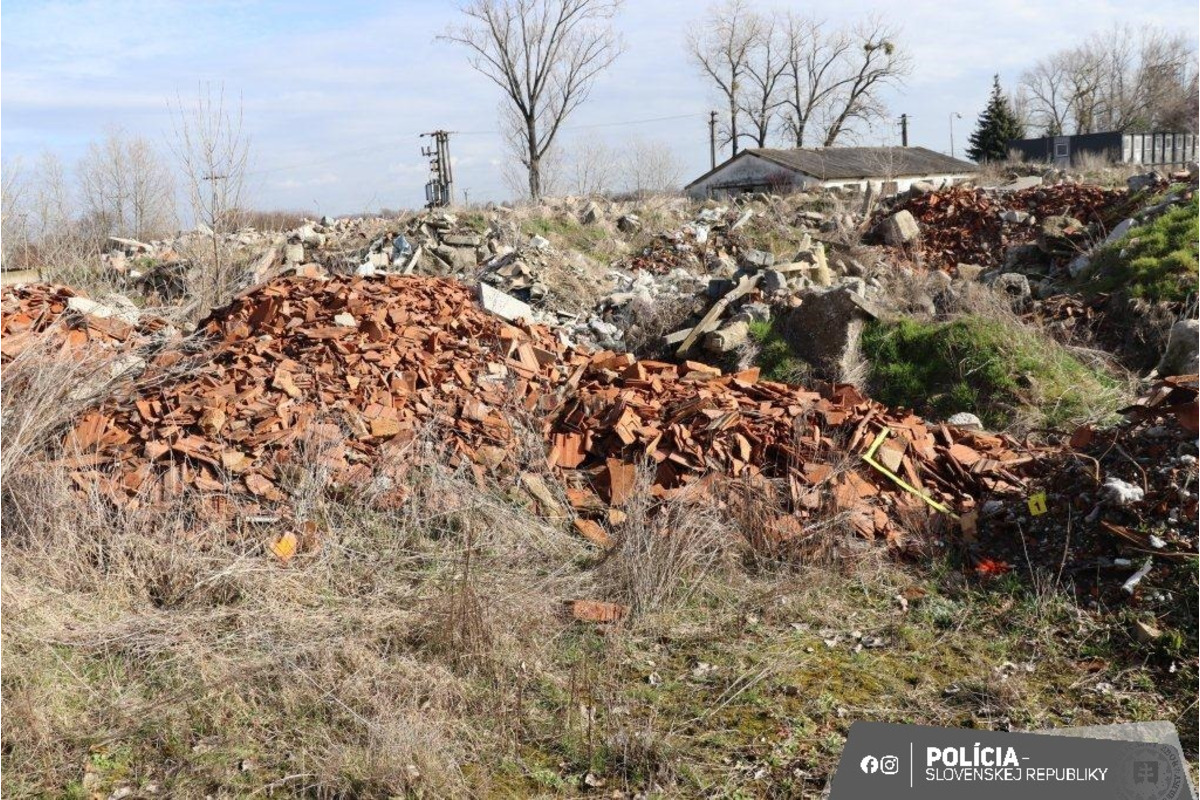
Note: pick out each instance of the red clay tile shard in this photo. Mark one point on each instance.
(593, 532)
(596, 611)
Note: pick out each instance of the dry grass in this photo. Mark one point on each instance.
(45, 388)
(667, 554)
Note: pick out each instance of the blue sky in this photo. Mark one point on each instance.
(335, 93)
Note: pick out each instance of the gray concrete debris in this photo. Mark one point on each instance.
(900, 228)
(307, 234)
(1020, 184)
(503, 305)
(1118, 232)
(539, 242)
(754, 312)
(758, 259)
(965, 420)
(328, 221)
(1015, 217)
(1182, 356)
(969, 272)
(591, 214)
(293, 253)
(1055, 235)
(345, 320)
(727, 338)
(629, 223)
(1015, 286)
(1147, 180)
(746, 216)
(462, 240)
(1079, 265)
(825, 330)
(772, 281)
(91, 308)
(921, 187)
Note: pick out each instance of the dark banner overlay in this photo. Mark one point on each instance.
(915, 761)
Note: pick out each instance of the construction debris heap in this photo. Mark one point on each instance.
(338, 377)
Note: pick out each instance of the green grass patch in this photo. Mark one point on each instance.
(775, 357)
(567, 233)
(1154, 262)
(1002, 371)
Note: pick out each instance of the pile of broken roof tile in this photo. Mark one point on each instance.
(30, 312)
(342, 375)
(803, 447)
(961, 225)
(338, 374)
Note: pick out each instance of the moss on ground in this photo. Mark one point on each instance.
(997, 369)
(1154, 262)
(775, 357)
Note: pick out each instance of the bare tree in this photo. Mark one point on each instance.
(653, 168)
(514, 171)
(14, 218)
(213, 153)
(765, 69)
(877, 62)
(126, 187)
(720, 45)
(1120, 79)
(545, 56)
(593, 167)
(1046, 85)
(63, 247)
(812, 75)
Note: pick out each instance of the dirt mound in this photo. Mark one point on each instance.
(336, 378)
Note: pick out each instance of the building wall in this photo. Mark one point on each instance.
(1157, 149)
(751, 173)
(747, 173)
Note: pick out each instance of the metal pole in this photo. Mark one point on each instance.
(904, 130)
(953, 114)
(712, 139)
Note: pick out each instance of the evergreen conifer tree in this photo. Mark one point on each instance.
(997, 126)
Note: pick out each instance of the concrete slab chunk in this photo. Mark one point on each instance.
(503, 305)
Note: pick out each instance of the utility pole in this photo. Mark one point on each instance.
(904, 130)
(953, 114)
(712, 138)
(439, 191)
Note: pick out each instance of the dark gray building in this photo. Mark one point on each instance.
(1151, 149)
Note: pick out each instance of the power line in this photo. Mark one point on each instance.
(375, 148)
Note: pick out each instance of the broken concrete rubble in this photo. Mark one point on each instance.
(502, 305)
(1182, 356)
(825, 329)
(900, 228)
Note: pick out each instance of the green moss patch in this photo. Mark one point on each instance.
(1154, 262)
(1001, 371)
